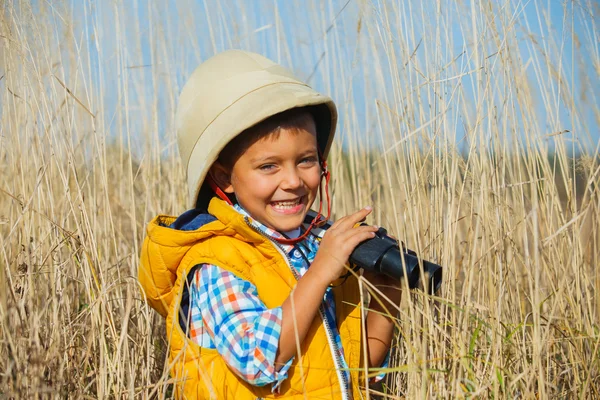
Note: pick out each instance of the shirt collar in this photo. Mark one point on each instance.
(273, 234)
(264, 229)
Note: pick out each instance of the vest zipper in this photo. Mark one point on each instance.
(328, 332)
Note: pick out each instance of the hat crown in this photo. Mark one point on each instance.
(217, 70)
(216, 85)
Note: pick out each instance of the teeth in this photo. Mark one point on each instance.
(286, 204)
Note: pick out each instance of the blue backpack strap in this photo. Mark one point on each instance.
(184, 307)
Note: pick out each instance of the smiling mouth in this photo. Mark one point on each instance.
(288, 205)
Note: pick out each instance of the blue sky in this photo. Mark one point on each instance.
(138, 54)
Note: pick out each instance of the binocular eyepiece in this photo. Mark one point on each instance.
(383, 254)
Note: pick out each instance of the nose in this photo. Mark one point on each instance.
(291, 179)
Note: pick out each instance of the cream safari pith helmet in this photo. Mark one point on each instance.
(228, 94)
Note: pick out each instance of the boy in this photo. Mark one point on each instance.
(246, 316)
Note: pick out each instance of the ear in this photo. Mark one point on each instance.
(222, 177)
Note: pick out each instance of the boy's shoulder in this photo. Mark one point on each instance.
(191, 220)
(197, 236)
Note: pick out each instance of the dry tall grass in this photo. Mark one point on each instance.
(459, 124)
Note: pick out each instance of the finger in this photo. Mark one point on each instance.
(340, 237)
(358, 236)
(350, 220)
(357, 230)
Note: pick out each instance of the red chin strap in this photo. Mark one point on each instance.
(317, 221)
(218, 190)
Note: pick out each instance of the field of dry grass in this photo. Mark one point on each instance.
(472, 129)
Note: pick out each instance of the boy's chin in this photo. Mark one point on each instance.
(289, 224)
(286, 223)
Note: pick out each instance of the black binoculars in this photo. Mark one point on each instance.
(385, 255)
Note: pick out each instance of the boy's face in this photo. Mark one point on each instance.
(277, 178)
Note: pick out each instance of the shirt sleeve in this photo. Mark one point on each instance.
(242, 329)
(384, 364)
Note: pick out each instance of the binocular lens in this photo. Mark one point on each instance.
(434, 276)
(392, 265)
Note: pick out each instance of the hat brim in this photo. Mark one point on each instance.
(249, 110)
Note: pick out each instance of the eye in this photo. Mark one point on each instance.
(309, 160)
(266, 167)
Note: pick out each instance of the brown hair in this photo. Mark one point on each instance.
(293, 119)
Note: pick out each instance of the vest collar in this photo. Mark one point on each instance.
(235, 223)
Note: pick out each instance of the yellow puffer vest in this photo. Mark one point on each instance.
(229, 242)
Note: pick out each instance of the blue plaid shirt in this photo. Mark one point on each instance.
(227, 315)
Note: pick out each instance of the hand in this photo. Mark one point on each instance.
(338, 243)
